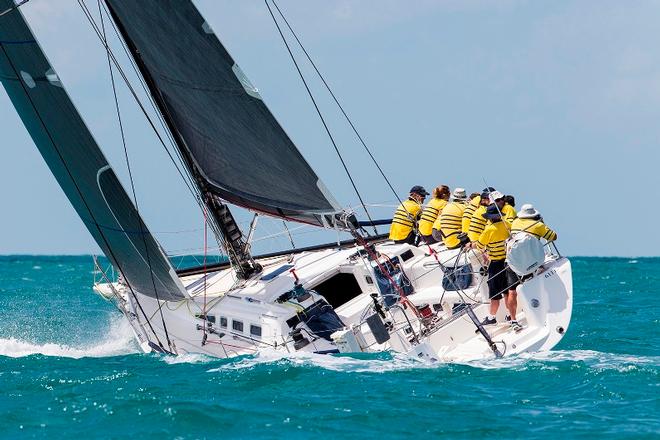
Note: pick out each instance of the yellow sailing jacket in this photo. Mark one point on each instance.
(404, 219)
(469, 210)
(493, 240)
(534, 227)
(449, 223)
(477, 224)
(509, 213)
(430, 214)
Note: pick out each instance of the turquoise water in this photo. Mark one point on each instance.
(68, 367)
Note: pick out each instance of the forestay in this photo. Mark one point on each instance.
(233, 144)
(78, 164)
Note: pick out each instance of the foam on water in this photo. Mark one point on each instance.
(593, 359)
(119, 341)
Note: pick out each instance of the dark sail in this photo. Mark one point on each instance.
(77, 162)
(232, 142)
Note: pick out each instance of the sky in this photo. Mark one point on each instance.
(557, 103)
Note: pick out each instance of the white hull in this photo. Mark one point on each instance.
(245, 317)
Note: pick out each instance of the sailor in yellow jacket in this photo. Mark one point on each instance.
(431, 212)
(493, 241)
(529, 220)
(447, 227)
(509, 209)
(404, 221)
(475, 202)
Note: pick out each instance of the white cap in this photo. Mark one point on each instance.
(495, 195)
(459, 194)
(528, 211)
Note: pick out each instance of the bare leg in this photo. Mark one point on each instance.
(494, 305)
(512, 303)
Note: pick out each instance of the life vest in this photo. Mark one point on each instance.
(509, 213)
(404, 219)
(535, 227)
(467, 214)
(430, 215)
(449, 223)
(477, 224)
(493, 240)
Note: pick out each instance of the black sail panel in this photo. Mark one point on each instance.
(224, 129)
(77, 162)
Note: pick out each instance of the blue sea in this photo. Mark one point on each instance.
(69, 368)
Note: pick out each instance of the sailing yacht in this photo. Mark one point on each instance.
(361, 295)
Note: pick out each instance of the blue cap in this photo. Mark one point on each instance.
(417, 189)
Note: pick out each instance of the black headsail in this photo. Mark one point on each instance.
(78, 164)
(234, 146)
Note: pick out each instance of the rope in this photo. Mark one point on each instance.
(79, 191)
(318, 111)
(136, 98)
(341, 108)
(130, 175)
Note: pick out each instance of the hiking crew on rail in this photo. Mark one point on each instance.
(486, 221)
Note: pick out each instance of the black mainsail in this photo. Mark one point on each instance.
(77, 162)
(232, 143)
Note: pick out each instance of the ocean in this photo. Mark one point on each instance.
(69, 367)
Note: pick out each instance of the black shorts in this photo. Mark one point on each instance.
(497, 280)
(513, 280)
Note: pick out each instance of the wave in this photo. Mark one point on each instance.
(384, 362)
(593, 359)
(365, 363)
(119, 341)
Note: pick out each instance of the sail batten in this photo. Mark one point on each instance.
(78, 164)
(230, 139)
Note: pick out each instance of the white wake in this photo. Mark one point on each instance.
(119, 341)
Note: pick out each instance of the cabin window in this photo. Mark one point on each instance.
(223, 322)
(255, 330)
(209, 318)
(407, 255)
(237, 325)
(339, 289)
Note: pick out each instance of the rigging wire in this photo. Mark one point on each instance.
(96, 29)
(318, 111)
(130, 175)
(79, 191)
(150, 97)
(334, 97)
(16, 6)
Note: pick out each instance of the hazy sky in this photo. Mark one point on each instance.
(555, 102)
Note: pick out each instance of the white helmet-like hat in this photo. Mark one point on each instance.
(528, 211)
(459, 194)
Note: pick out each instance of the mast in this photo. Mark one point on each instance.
(234, 148)
(226, 230)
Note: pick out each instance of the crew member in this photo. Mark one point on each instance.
(478, 221)
(475, 202)
(529, 220)
(509, 209)
(404, 222)
(448, 225)
(431, 212)
(493, 241)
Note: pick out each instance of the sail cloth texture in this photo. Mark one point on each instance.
(217, 116)
(77, 162)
